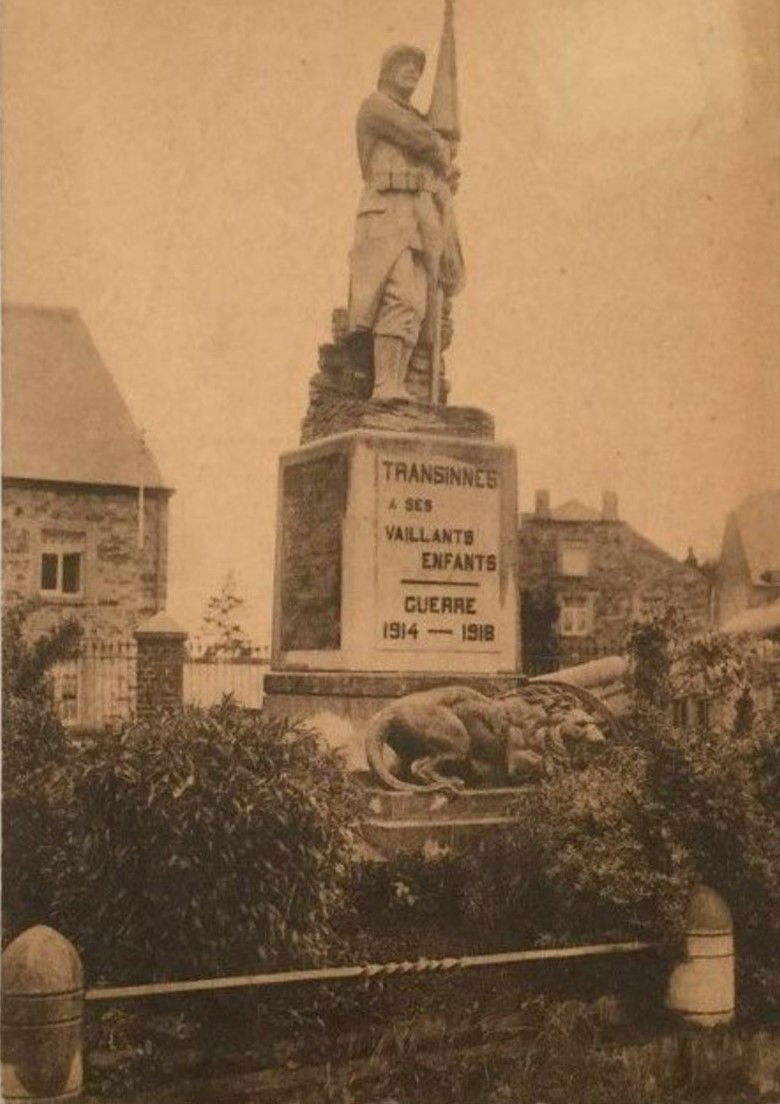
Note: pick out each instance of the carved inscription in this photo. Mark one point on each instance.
(314, 497)
(437, 539)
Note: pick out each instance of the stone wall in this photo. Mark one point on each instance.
(627, 574)
(123, 585)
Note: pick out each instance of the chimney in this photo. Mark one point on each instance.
(609, 508)
(542, 509)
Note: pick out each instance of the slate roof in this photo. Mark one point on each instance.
(63, 416)
(758, 521)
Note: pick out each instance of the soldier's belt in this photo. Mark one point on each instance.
(403, 181)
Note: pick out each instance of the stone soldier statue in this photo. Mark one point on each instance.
(406, 255)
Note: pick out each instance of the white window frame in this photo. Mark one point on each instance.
(62, 546)
(580, 550)
(576, 616)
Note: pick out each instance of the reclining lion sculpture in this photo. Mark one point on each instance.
(454, 736)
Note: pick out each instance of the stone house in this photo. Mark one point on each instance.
(590, 574)
(748, 570)
(85, 508)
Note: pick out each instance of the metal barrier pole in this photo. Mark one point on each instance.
(367, 970)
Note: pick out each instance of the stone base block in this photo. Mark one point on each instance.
(398, 822)
(396, 552)
(400, 805)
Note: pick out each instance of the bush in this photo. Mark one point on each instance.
(409, 906)
(614, 850)
(589, 858)
(719, 794)
(203, 842)
(32, 734)
(34, 742)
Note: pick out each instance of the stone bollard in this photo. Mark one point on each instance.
(701, 987)
(42, 1012)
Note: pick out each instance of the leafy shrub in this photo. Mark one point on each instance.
(719, 794)
(614, 850)
(200, 842)
(412, 905)
(588, 858)
(411, 888)
(32, 734)
(34, 742)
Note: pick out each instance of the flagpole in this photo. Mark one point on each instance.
(438, 306)
(141, 488)
(443, 116)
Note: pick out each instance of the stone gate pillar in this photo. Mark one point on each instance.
(159, 665)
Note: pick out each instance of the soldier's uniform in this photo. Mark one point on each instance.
(395, 260)
(398, 230)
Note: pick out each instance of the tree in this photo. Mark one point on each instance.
(222, 624)
(539, 613)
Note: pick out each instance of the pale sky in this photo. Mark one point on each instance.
(183, 173)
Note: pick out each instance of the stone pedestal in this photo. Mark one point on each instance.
(395, 571)
(398, 822)
(159, 665)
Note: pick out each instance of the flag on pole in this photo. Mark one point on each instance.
(443, 112)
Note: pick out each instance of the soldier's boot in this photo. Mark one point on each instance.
(391, 358)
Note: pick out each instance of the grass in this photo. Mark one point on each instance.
(502, 1048)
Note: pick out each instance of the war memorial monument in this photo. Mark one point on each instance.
(396, 561)
(397, 516)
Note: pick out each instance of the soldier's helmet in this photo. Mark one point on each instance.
(395, 54)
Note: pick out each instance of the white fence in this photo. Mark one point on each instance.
(207, 681)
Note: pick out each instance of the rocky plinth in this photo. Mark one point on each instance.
(340, 395)
(332, 411)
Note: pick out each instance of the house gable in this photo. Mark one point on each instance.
(623, 576)
(85, 511)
